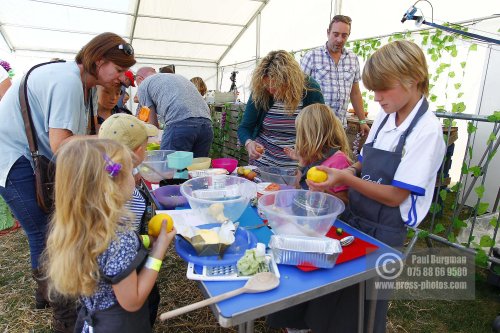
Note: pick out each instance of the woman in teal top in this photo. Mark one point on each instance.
(279, 92)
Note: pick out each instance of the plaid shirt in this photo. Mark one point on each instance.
(336, 80)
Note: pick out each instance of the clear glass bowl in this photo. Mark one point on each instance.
(278, 175)
(155, 168)
(300, 212)
(219, 197)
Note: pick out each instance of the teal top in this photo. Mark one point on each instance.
(251, 123)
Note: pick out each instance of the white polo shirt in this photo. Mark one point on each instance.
(423, 154)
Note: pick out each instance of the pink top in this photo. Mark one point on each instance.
(338, 161)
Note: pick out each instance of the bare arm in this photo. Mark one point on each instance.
(357, 104)
(385, 194)
(153, 117)
(133, 291)
(58, 136)
(4, 86)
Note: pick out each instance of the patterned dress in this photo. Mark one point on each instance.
(278, 131)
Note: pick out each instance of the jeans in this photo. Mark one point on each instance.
(191, 134)
(19, 194)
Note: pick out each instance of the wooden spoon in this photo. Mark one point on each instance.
(258, 283)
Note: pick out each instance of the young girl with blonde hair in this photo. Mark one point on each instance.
(321, 140)
(92, 251)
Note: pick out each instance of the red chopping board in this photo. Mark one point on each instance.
(356, 249)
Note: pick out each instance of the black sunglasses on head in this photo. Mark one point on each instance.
(127, 49)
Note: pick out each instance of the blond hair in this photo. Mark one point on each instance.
(401, 62)
(200, 85)
(281, 67)
(89, 209)
(318, 131)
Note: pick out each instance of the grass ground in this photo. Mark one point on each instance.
(17, 288)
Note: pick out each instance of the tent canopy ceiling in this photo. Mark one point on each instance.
(193, 30)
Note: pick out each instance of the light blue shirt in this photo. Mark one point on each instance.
(55, 96)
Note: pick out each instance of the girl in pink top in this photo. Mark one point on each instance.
(321, 140)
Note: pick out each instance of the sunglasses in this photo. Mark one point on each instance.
(127, 49)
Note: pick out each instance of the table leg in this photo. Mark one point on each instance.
(373, 305)
(361, 307)
(247, 327)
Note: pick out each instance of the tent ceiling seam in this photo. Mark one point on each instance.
(138, 15)
(254, 16)
(5, 37)
(134, 20)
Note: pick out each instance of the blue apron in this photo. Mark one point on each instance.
(371, 217)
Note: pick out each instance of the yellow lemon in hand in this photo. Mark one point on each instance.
(154, 225)
(316, 175)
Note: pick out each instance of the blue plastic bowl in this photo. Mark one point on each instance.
(170, 196)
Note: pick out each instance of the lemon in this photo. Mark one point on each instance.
(316, 175)
(154, 225)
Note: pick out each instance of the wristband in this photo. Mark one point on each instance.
(146, 241)
(247, 142)
(153, 263)
(362, 121)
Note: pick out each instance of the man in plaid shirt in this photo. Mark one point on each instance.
(337, 71)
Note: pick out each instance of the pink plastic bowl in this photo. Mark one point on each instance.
(226, 163)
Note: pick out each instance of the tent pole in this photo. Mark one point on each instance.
(338, 8)
(6, 39)
(257, 40)
(136, 11)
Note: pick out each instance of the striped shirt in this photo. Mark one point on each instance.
(136, 205)
(336, 80)
(278, 131)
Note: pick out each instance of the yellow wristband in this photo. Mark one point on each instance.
(153, 263)
(146, 241)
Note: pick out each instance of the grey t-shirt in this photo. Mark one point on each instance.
(174, 97)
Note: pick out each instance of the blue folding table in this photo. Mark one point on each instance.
(295, 286)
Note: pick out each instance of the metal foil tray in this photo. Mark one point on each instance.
(308, 251)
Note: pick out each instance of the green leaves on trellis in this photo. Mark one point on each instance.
(482, 208)
(495, 117)
(458, 107)
(494, 222)
(475, 170)
(486, 241)
(458, 223)
(481, 258)
(479, 191)
(473, 47)
(439, 228)
(470, 127)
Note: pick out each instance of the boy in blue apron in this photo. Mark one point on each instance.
(392, 184)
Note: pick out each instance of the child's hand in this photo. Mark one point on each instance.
(254, 150)
(291, 153)
(160, 245)
(331, 181)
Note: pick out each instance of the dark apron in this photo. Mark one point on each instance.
(115, 319)
(371, 217)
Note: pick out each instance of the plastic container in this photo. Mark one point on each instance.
(216, 198)
(180, 160)
(287, 176)
(200, 163)
(170, 196)
(305, 251)
(155, 168)
(300, 212)
(226, 163)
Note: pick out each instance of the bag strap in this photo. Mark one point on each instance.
(26, 110)
(92, 122)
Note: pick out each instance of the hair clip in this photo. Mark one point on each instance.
(111, 167)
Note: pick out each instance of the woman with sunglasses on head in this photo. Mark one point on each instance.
(279, 92)
(60, 98)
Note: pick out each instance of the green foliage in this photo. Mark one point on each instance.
(470, 127)
(479, 191)
(494, 222)
(495, 117)
(481, 258)
(439, 228)
(458, 223)
(486, 241)
(482, 207)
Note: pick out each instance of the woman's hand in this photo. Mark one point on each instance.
(160, 244)
(254, 150)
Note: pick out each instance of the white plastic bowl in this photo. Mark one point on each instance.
(212, 195)
(300, 212)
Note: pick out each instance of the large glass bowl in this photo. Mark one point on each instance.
(287, 176)
(218, 197)
(300, 212)
(155, 168)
